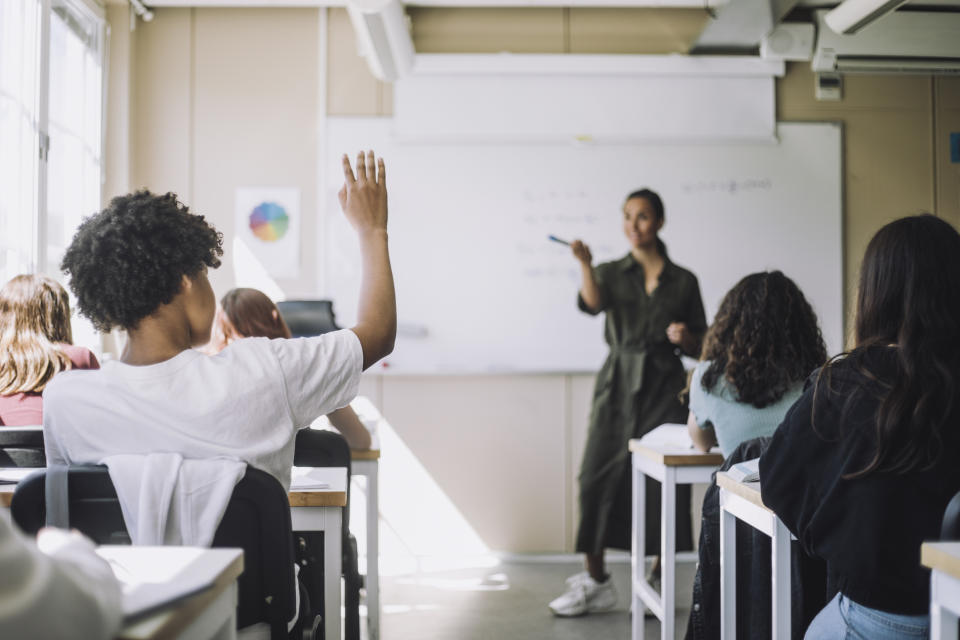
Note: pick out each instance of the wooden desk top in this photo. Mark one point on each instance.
(670, 454)
(6, 494)
(364, 454)
(223, 565)
(749, 491)
(334, 495)
(942, 556)
(670, 445)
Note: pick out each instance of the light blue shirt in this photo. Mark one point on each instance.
(734, 421)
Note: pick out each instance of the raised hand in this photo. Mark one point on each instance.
(581, 252)
(364, 198)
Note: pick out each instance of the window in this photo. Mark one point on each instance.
(20, 92)
(73, 168)
(51, 81)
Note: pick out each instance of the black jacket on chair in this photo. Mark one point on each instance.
(808, 580)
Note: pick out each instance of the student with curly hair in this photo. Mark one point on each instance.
(864, 464)
(141, 264)
(35, 345)
(762, 345)
(249, 313)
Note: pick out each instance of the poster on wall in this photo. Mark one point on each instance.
(268, 223)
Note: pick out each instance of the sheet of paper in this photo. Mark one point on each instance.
(13, 475)
(308, 478)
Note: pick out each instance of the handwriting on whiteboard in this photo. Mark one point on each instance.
(729, 186)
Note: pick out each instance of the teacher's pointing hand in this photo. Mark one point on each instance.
(581, 252)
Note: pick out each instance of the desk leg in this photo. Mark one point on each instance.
(780, 571)
(728, 573)
(668, 552)
(637, 557)
(943, 622)
(373, 553)
(332, 570)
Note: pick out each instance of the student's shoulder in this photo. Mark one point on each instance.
(81, 357)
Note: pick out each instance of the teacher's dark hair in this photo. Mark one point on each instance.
(656, 203)
(764, 340)
(908, 299)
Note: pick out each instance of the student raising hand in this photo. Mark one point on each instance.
(363, 197)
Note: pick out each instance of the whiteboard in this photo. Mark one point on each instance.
(480, 289)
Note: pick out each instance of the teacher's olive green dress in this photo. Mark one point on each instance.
(637, 390)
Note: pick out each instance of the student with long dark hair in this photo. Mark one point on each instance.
(865, 462)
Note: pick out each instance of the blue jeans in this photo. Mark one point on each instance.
(844, 619)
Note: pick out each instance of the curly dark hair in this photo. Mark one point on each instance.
(764, 340)
(129, 259)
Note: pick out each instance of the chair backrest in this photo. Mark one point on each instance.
(950, 528)
(307, 318)
(257, 520)
(322, 448)
(22, 447)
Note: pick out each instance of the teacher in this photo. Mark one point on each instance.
(653, 315)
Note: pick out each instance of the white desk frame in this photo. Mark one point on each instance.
(327, 519)
(943, 560)
(662, 605)
(370, 469)
(732, 508)
(944, 606)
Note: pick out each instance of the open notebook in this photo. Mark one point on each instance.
(309, 478)
(155, 578)
(746, 471)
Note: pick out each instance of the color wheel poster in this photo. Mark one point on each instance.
(268, 222)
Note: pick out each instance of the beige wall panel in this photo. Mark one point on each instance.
(351, 88)
(948, 173)
(888, 151)
(255, 120)
(482, 30)
(579, 399)
(161, 160)
(646, 31)
(118, 135)
(495, 446)
(860, 92)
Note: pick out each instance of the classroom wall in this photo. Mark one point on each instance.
(221, 99)
(505, 449)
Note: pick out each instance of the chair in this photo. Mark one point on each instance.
(950, 528)
(317, 448)
(22, 447)
(307, 318)
(257, 519)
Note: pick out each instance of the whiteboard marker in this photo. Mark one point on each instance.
(556, 239)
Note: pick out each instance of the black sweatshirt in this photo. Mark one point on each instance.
(868, 529)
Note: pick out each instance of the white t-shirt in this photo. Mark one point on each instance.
(245, 403)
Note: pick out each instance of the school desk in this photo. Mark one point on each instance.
(322, 510)
(664, 454)
(943, 560)
(207, 615)
(741, 500)
(310, 510)
(367, 463)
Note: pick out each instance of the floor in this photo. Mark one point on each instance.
(509, 601)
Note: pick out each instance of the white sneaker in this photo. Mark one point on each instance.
(585, 595)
